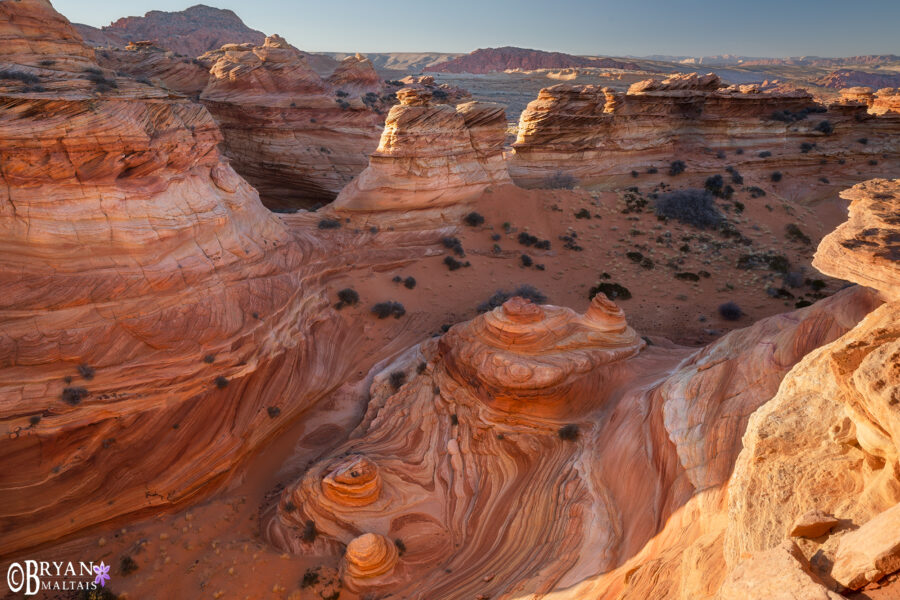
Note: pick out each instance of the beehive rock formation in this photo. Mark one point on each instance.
(296, 137)
(430, 155)
(592, 134)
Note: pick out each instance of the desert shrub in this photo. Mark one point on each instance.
(439, 94)
(612, 291)
(652, 171)
(420, 368)
(569, 241)
(789, 116)
(690, 206)
(310, 578)
(559, 181)
(383, 310)
(101, 83)
(341, 94)
(793, 232)
(127, 565)
(739, 151)
(209, 359)
(873, 162)
(756, 192)
(273, 411)
(802, 303)
(454, 264)
(47, 62)
(526, 260)
(816, 284)
(738, 207)
(401, 547)
(329, 224)
(825, 127)
(824, 180)
(221, 382)
(473, 219)
(765, 154)
(452, 243)
(806, 147)
(21, 76)
(86, 371)
(780, 293)
(686, 276)
(397, 379)
(500, 296)
(863, 141)
(409, 283)
(33, 420)
(583, 214)
(769, 260)
(635, 174)
(775, 176)
(309, 532)
(347, 297)
(568, 432)
(677, 167)
(526, 239)
(73, 395)
(730, 311)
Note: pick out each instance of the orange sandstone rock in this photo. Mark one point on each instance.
(430, 156)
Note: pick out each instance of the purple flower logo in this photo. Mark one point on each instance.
(102, 572)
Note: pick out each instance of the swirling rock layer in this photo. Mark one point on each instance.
(511, 458)
(592, 133)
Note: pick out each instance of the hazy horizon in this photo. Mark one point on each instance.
(693, 28)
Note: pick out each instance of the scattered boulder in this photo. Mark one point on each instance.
(813, 524)
(870, 552)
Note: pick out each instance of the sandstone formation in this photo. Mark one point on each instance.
(296, 137)
(153, 309)
(369, 559)
(850, 78)
(829, 438)
(870, 552)
(530, 430)
(886, 101)
(189, 32)
(591, 133)
(781, 573)
(440, 93)
(488, 60)
(430, 156)
(813, 524)
(146, 61)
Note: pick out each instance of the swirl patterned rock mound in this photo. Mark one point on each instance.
(430, 156)
(369, 561)
(297, 138)
(525, 357)
(510, 483)
(592, 133)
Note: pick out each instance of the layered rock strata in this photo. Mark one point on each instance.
(590, 133)
(430, 156)
(296, 137)
(154, 313)
(511, 457)
(145, 61)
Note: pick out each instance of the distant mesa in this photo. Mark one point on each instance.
(490, 60)
(190, 32)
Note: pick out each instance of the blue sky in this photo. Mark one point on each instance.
(605, 27)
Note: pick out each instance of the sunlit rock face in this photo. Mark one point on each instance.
(296, 137)
(591, 134)
(430, 155)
